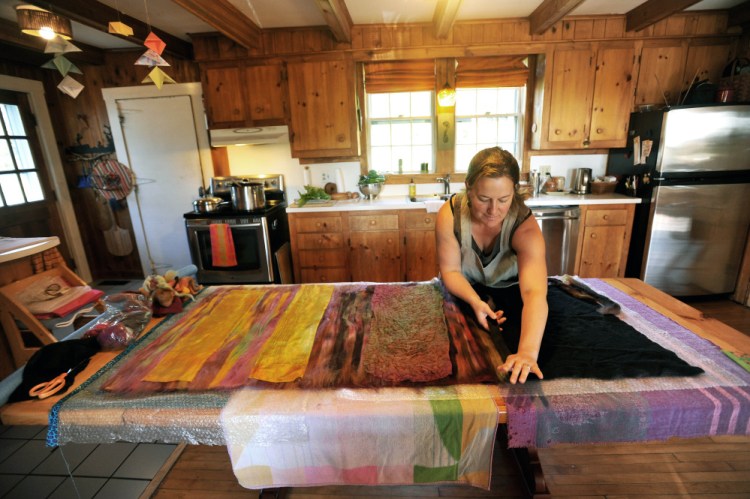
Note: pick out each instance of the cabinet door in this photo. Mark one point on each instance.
(572, 82)
(602, 250)
(660, 75)
(322, 109)
(420, 246)
(224, 97)
(613, 97)
(265, 94)
(375, 256)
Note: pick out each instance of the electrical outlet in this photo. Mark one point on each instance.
(545, 169)
(325, 177)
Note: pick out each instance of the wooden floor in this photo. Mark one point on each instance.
(716, 467)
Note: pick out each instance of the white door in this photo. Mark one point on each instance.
(161, 136)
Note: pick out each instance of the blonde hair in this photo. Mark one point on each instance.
(494, 162)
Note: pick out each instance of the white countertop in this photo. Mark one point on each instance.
(432, 204)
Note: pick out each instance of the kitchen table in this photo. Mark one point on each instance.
(203, 421)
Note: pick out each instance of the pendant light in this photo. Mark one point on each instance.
(447, 96)
(39, 22)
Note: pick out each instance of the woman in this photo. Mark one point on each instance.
(488, 236)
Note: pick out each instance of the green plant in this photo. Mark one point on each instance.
(372, 177)
(310, 194)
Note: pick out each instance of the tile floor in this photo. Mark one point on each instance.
(29, 469)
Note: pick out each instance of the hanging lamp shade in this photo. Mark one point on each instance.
(39, 22)
(447, 96)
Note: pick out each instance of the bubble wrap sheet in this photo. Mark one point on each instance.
(89, 415)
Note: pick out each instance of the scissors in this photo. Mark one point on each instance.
(51, 387)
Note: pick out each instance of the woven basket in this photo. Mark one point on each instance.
(603, 187)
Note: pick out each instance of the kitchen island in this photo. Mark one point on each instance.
(674, 317)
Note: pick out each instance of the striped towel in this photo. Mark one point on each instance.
(222, 246)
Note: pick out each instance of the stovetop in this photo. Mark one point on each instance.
(226, 212)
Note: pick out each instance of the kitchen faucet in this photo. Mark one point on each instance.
(446, 180)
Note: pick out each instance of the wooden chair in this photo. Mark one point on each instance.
(17, 321)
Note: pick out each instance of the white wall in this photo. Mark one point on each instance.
(563, 166)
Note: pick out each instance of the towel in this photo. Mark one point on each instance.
(222, 246)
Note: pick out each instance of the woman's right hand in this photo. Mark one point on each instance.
(483, 313)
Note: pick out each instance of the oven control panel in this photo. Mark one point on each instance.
(221, 185)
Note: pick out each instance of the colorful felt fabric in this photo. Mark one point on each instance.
(313, 336)
(390, 436)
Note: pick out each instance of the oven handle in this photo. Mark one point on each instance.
(194, 225)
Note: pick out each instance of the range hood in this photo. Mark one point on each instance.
(249, 135)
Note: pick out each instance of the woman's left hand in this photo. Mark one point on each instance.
(519, 366)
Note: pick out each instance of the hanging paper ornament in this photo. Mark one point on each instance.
(63, 65)
(154, 43)
(151, 58)
(119, 28)
(158, 78)
(70, 87)
(59, 45)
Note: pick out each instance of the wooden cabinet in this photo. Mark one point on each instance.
(318, 250)
(420, 246)
(378, 246)
(604, 240)
(323, 111)
(374, 247)
(240, 94)
(587, 97)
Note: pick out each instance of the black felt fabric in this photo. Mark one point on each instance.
(53, 360)
(579, 342)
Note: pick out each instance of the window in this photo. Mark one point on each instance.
(488, 117)
(19, 175)
(400, 131)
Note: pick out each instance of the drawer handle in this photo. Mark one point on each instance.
(606, 217)
(373, 222)
(593, 236)
(427, 220)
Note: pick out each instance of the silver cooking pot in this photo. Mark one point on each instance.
(248, 196)
(207, 204)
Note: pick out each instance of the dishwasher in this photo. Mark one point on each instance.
(559, 226)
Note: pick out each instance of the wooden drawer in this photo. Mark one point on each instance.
(420, 220)
(319, 241)
(318, 224)
(324, 275)
(322, 258)
(606, 217)
(358, 223)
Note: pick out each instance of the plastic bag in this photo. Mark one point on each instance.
(124, 318)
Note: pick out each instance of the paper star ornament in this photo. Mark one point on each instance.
(119, 28)
(151, 58)
(59, 45)
(154, 43)
(63, 65)
(70, 87)
(158, 77)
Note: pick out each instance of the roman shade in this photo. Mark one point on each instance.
(484, 72)
(400, 76)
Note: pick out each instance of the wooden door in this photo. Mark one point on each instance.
(27, 201)
(322, 109)
(375, 256)
(572, 81)
(601, 251)
(266, 94)
(613, 96)
(660, 74)
(224, 96)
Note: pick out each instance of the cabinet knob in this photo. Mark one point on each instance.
(600, 130)
(558, 131)
(373, 222)
(427, 220)
(605, 217)
(593, 236)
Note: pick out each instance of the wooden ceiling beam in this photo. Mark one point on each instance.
(10, 35)
(98, 16)
(653, 11)
(444, 17)
(739, 15)
(548, 13)
(226, 18)
(338, 19)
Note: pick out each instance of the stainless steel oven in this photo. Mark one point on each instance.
(260, 240)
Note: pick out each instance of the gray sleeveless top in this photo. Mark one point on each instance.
(500, 267)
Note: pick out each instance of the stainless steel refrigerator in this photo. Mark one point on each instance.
(691, 227)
